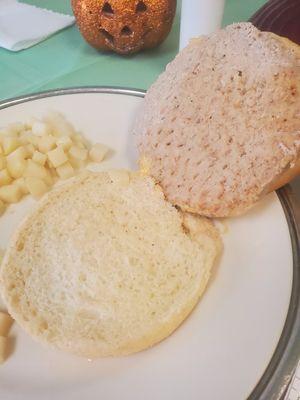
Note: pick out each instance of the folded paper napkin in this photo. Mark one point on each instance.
(23, 25)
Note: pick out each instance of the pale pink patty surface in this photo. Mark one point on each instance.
(223, 121)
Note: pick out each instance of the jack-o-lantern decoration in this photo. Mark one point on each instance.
(124, 26)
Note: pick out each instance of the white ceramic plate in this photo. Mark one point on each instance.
(222, 350)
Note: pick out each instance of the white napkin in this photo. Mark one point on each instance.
(23, 25)
(199, 17)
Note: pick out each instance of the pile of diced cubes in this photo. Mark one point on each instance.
(36, 153)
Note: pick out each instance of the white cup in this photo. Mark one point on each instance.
(199, 17)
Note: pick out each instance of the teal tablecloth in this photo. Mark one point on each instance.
(65, 60)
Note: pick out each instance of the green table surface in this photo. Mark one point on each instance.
(66, 60)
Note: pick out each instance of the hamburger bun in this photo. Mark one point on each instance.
(105, 266)
(221, 126)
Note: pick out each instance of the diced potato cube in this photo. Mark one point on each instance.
(6, 322)
(22, 185)
(40, 128)
(52, 172)
(80, 145)
(65, 142)
(119, 176)
(36, 187)
(4, 345)
(76, 163)
(57, 157)
(65, 171)
(23, 136)
(2, 209)
(10, 144)
(39, 158)
(81, 141)
(77, 137)
(35, 170)
(10, 193)
(49, 180)
(1, 149)
(79, 153)
(29, 138)
(5, 178)
(16, 167)
(30, 150)
(60, 126)
(2, 162)
(19, 154)
(46, 143)
(15, 162)
(98, 152)
(48, 163)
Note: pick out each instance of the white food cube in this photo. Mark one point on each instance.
(23, 136)
(40, 128)
(29, 138)
(78, 152)
(57, 157)
(19, 154)
(81, 141)
(36, 187)
(98, 152)
(30, 150)
(35, 170)
(2, 209)
(5, 178)
(48, 163)
(16, 167)
(60, 126)
(76, 163)
(6, 322)
(2, 162)
(10, 193)
(65, 171)
(80, 145)
(52, 172)
(4, 341)
(65, 142)
(22, 185)
(9, 144)
(39, 157)
(49, 180)
(46, 143)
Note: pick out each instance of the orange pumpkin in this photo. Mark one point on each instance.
(124, 26)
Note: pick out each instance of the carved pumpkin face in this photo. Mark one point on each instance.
(124, 26)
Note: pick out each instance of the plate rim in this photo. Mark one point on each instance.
(71, 90)
(278, 373)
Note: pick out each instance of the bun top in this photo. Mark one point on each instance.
(223, 121)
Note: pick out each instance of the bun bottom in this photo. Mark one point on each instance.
(284, 178)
